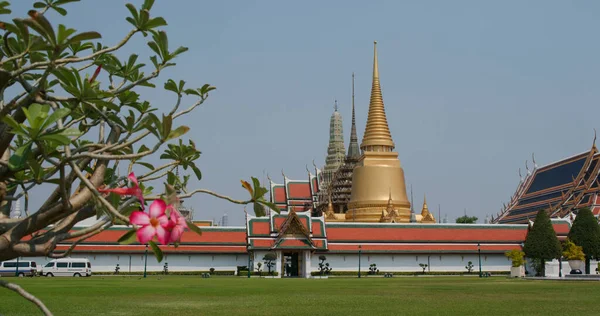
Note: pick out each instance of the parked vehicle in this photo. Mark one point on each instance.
(75, 267)
(21, 268)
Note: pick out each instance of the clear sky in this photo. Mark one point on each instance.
(471, 88)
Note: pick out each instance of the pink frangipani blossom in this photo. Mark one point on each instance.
(155, 223)
(177, 225)
(135, 190)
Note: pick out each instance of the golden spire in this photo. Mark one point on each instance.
(425, 209)
(377, 133)
(390, 206)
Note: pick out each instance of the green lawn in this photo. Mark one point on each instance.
(189, 295)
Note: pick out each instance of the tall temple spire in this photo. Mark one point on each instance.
(336, 151)
(353, 149)
(377, 133)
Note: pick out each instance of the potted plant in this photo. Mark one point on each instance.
(517, 258)
(575, 255)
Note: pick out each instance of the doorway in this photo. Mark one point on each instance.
(291, 263)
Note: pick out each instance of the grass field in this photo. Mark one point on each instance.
(186, 295)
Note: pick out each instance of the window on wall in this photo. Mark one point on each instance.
(417, 258)
(118, 258)
(485, 258)
(440, 258)
(462, 258)
(344, 258)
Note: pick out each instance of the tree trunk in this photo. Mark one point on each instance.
(587, 264)
(543, 268)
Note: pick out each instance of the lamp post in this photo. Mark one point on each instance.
(479, 255)
(17, 269)
(524, 261)
(145, 260)
(359, 252)
(249, 261)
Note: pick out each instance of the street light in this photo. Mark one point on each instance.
(359, 252)
(145, 260)
(17, 270)
(249, 261)
(479, 255)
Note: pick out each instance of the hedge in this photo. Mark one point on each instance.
(381, 273)
(216, 272)
(243, 273)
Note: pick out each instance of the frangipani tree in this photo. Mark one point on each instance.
(61, 126)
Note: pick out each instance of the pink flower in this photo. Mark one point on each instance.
(135, 190)
(156, 223)
(177, 225)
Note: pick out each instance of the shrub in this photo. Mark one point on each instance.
(572, 252)
(323, 266)
(516, 256)
(373, 268)
(212, 270)
(269, 259)
(423, 266)
(469, 266)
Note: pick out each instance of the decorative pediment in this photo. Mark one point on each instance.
(293, 228)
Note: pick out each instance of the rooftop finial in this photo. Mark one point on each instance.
(353, 149)
(335, 107)
(377, 132)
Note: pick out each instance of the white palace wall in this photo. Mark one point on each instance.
(339, 262)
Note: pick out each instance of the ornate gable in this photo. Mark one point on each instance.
(292, 228)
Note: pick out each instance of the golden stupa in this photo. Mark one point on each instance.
(378, 179)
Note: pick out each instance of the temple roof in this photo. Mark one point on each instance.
(558, 188)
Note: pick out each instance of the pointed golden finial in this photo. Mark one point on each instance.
(425, 209)
(377, 135)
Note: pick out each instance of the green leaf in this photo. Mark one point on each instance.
(145, 164)
(18, 159)
(181, 130)
(197, 172)
(259, 210)
(54, 117)
(85, 36)
(147, 5)
(60, 10)
(167, 124)
(270, 205)
(157, 252)
(70, 132)
(193, 227)
(62, 140)
(256, 185)
(171, 86)
(128, 238)
(44, 25)
(156, 22)
(39, 5)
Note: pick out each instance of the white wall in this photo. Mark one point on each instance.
(410, 262)
(176, 262)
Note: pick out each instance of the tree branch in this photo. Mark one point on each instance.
(189, 194)
(75, 59)
(19, 290)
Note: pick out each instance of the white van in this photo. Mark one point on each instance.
(76, 267)
(18, 268)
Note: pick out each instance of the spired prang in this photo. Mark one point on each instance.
(336, 153)
(341, 186)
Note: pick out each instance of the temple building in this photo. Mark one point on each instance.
(560, 188)
(365, 185)
(356, 212)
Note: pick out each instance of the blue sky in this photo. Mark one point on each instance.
(471, 88)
